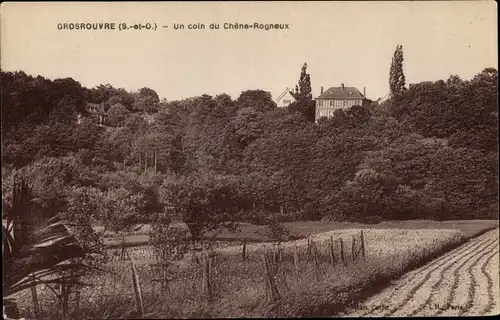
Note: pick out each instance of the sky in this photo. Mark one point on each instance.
(342, 42)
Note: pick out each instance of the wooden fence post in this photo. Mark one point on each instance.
(154, 154)
(342, 251)
(314, 249)
(206, 275)
(194, 262)
(331, 251)
(137, 288)
(296, 261)
(353, 248)
(271, 290)
(266, 277)
(280, 252)
(363, 245)
(307, 248)
(123, 254)
(244, 249)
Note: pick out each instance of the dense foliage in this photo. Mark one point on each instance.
(397, 78)
(428, 152)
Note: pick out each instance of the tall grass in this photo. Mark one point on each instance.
(238, 285)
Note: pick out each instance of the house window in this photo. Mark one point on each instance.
(345, 103)
(286, 102)
(320, 103)
(332, 103)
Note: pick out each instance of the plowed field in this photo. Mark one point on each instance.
(464, 281)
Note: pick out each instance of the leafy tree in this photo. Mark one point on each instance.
(146, 186)
(71, 91)
(304, 102)
(206, 202)
(277, 231)
(146, 147)
(267, 159)
(465, 182)
(247, 127)
(117, 114)
(116, 147)
(259, 100)
(463, 111)
(366, 195)
(169, 128)
(396, 76)
(101, 93)
(409, 203)
(407, 159)
(168, 241)
(283, 158)
(49, 179)
(136, 123)
(304, 85)
(146, 100)
(86, 135)
(119, 209)
(64, 112)
(28, 101)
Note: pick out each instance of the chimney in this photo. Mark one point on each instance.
(342, 86)
(287, 89)
(321, 89)
(364, 91)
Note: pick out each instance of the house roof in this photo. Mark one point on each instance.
(382, 99)
(285, 92)
(96, 108)
(344, 94)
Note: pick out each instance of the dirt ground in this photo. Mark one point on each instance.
(463, 282)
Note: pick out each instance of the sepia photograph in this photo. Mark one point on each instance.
(277, 159)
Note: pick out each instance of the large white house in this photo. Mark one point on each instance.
(339, 98)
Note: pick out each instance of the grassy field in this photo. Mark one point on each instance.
(238, 290)
(254, 233)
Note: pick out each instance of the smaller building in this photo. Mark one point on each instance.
(383, 99)
(286, 98)
(339, 98)
(98, 112)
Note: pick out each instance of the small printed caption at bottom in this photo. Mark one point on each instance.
(429, 306)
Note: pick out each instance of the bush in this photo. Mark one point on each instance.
(371, 220)
(254, 217)
(336, 216)
(277, 231)
(169, 241)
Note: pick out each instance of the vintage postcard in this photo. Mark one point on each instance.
(166, 160)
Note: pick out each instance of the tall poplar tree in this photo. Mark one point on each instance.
(303, 95)
(397, 78)
(305, 90)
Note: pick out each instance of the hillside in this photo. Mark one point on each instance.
(430, 152)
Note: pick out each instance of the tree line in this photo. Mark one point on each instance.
(430, 152)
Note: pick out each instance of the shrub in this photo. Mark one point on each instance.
(169, 241)
(277, 231)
